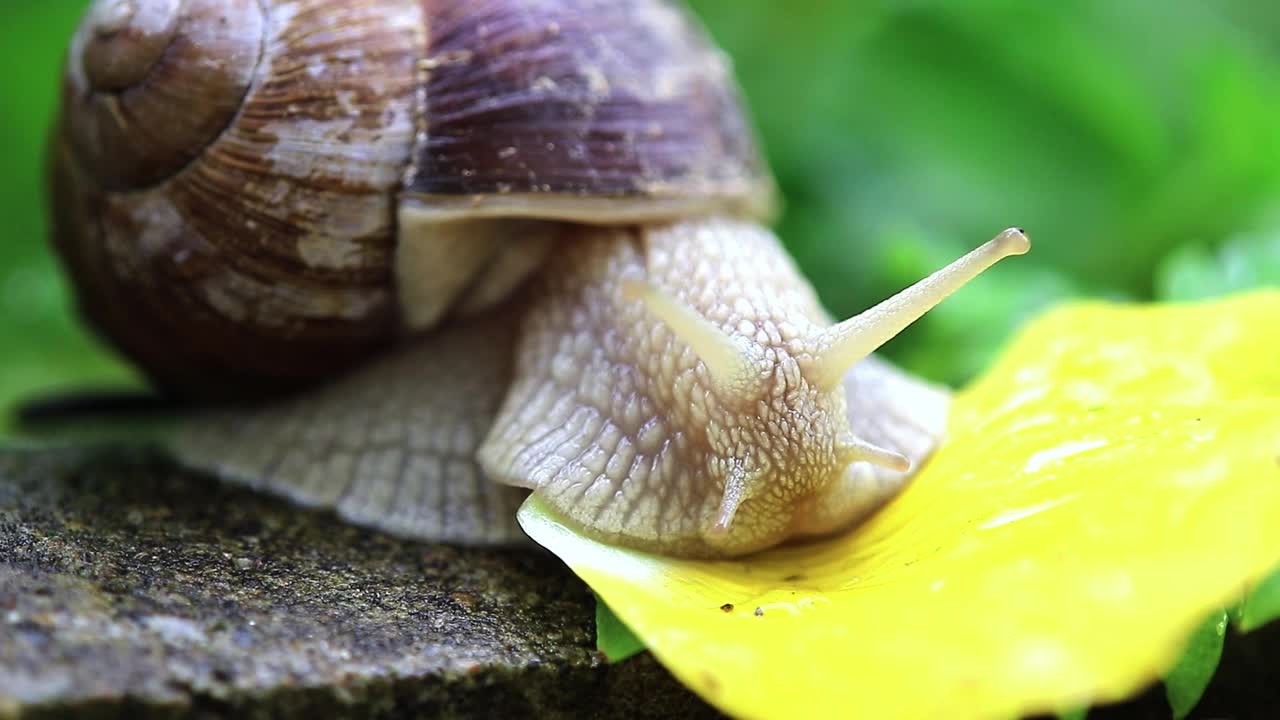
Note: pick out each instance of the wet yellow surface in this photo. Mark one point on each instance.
(1112, 479)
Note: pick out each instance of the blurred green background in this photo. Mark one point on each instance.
(1137, 141)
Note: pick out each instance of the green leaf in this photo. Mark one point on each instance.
(1077, 714)
(1186, 682)
(1107, 484)
(1194, 272)
(1262, 605)
(613, 638)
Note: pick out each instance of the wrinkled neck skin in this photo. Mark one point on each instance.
(691, 417)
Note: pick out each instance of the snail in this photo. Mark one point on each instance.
(448, 252)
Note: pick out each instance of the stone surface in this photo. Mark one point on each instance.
(130, 588)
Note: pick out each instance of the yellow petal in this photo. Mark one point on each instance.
(1114, 478)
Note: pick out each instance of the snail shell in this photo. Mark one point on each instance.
(550, 208)
(252, 194)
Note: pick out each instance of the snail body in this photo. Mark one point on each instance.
(504, 240)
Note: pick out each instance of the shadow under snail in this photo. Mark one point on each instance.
(457, 250)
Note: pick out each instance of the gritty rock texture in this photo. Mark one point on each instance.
(129, 588)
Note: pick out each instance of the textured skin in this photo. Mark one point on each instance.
(610, 416)
(893, 410)
(390, 446)
(617, 424)
(256, 250)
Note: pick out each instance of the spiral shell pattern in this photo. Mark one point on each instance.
(236, 181)
(225, 189)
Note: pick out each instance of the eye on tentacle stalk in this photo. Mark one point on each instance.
(679, 389)
(362, 233)
(664, 387)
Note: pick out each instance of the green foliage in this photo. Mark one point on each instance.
(613, 638)
(1187, 681)
(1196, 271)
(42, 344)
(905, 132)
(1261, 606)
